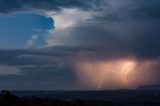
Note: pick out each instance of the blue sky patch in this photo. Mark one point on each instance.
(18, 29)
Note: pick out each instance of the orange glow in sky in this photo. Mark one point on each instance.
(113, 74)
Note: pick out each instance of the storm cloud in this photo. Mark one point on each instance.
(87, 30)
(8, 6)
(126, 27)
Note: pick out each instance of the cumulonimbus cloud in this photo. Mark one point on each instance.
(117, 30)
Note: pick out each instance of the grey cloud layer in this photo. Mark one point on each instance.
(7, 6)
(40, 69)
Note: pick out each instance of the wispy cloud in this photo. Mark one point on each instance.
(32, 41)
(9, 70)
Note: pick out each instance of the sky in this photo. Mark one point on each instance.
(79, 44)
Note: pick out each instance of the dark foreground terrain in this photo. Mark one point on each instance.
(80, 98)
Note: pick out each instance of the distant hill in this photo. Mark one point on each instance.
(149, 87)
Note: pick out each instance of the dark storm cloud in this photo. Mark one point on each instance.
(56, 61)
(52, 56)
(143, 44)
(122, 10)
(123, 28)
(7, 6)
(145, 9)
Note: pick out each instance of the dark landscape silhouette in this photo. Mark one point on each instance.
(140, 97)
